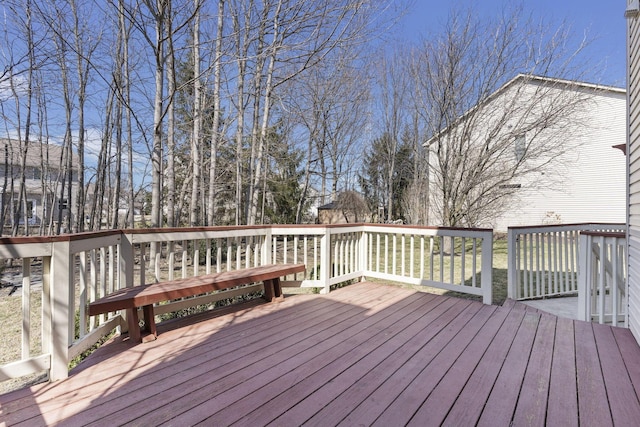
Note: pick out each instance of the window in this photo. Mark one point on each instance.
(520, 146)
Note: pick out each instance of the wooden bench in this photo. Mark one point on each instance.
(131, 299)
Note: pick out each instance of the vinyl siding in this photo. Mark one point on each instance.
(593, 176)
(633, 83)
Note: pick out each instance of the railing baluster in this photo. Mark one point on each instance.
(26, 308)
(386, 253)
(411, 255)
(82, 273)
(422, 260)
(403, 241)
(601, 280)
(452, 260)
(474, 266)
(463, 254)
(431, 255)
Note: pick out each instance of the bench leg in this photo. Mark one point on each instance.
(134, 324)
(149, 322)
(272, 290)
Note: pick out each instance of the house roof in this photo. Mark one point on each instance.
(35, 152)
(329, 206)
(531, 79)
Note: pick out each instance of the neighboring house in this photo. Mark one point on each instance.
(588, 183)
(43, 183)
(330, 213)
(349, 208)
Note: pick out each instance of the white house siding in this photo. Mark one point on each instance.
(633, 84)
(592, 180)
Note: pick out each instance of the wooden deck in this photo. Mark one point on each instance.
(367, 354)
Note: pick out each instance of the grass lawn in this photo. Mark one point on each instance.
(499, 294)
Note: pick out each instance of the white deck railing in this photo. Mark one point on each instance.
(543, 260)
(586, 260)
(602, 293)
(73, 270)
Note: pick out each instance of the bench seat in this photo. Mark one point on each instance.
(144, 296)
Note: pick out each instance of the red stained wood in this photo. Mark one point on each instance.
(593, 404)
(145, 296)
(468, 405)
(531, 408)
(562, 409)
(436, 406)
(620, 391)
(357, 382)
(501, 403)
(361, 354)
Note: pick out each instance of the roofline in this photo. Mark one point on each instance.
(574, 83)
(530, 78)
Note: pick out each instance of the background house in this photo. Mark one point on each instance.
(583, 183)
(44, 176)
(349, 208)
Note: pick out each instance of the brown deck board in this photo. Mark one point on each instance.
(630, 353)
(468, 405)
(322, 368)
(504, 395)
(179, 372)
(436, 407)
(532, 403)
(370, 410)
(363, 354)
(593, 404)
(404, 407)
(367, 379)
(563, 398)
(245, 363)
(200, 403)
(620, 392)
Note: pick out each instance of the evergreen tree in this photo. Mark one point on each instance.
(283, 181)
(382, 162)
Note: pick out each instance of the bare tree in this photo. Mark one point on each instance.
(330, 106)
(490, 132)
(394, 98)
(415, 198)
(216, 136)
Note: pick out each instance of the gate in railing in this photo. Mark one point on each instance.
(560, 260)
(60, 275)
(602, 296)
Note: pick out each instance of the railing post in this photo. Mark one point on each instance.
(267, 247)
(486, 278)
(126, 257)
(512, 273)
(325, 261)
(363, 258)
(61, 309)
(584, 273)
(125, 269)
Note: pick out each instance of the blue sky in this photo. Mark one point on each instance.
(602, 20)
